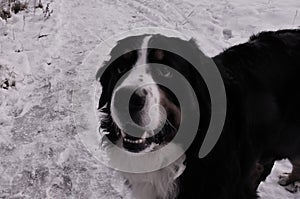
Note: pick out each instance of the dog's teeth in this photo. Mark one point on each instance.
(134, 141)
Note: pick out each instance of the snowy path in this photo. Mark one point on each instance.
(55, 60)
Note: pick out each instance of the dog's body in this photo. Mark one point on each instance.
(262, 84)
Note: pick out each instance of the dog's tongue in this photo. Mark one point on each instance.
(148, 134)
(123, 133)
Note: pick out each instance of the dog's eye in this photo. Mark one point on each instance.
(159, 55)
(164, 71)
(128, 55)
(121, 70)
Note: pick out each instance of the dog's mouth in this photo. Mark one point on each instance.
(147, 111)
(134, 144)
(148, 141)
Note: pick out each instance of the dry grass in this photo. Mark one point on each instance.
(4, 13)
(17, 6)
(8, 6)
(7, 78)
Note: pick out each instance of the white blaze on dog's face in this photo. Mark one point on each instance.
(145, 100)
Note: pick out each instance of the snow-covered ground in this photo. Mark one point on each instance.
(53, 61)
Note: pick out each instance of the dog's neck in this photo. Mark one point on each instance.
(161, 184)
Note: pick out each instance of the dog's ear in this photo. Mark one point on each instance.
(104, 76)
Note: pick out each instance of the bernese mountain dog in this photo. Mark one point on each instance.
(262, 125)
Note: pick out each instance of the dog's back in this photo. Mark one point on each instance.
(263, 121)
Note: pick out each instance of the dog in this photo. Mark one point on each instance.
(262, 125)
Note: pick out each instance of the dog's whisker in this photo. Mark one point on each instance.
(170, 124)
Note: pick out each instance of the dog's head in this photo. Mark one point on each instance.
(136, 69)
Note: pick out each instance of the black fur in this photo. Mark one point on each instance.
(263, 119)
(262, 82)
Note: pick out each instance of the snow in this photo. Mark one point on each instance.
(48, 126)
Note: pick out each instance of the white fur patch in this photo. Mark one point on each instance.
(160, 184)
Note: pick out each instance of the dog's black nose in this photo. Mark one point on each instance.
(137, 99)
(136, 106)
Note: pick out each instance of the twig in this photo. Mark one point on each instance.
(34, 6)
(187, 17)
(295, 17)
(14, 34)
(40, 36)
(47, 12)
(23, 22)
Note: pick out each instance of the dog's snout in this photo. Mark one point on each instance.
(138, 100)
(137, 97)
(141, 102)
